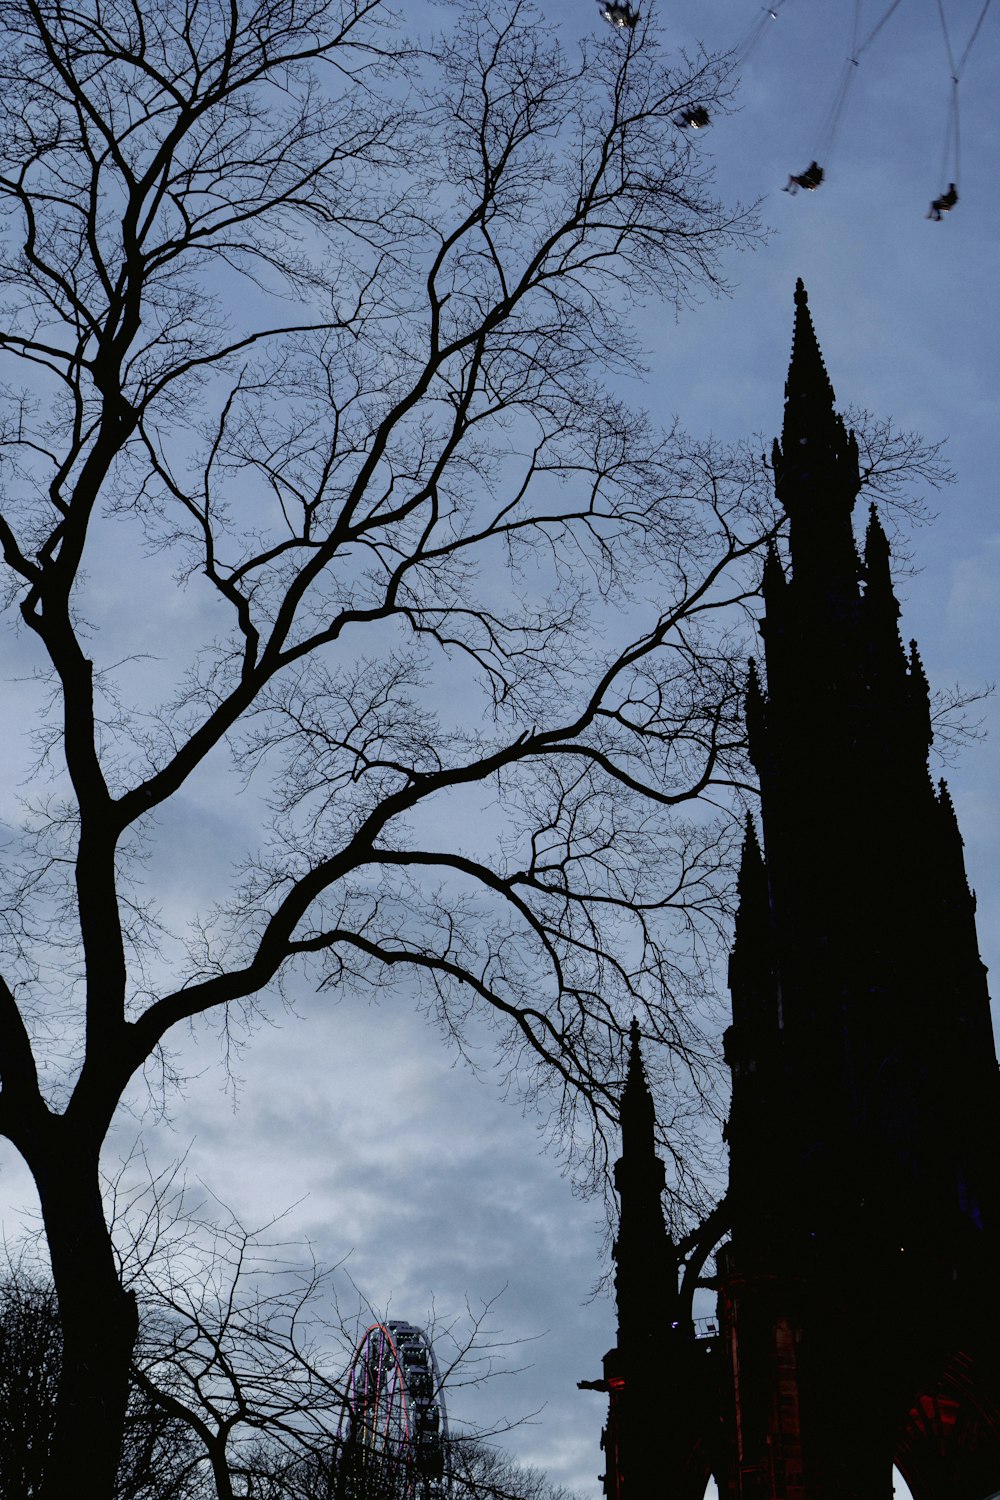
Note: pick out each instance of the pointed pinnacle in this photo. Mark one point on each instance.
(815, 449)
(751, 935)
(954, 833)
(750, 839)
(751, 858)
(807, 375)
(918, 674)
(877, 547)
(636, 1103)
(754, 710)
(635, 1075)
(754, 691)
(774, 573)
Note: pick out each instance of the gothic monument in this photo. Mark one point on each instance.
(858, 1322)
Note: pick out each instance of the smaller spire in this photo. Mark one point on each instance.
(774, 574)
(920, 694)
(751, 883)
(751, 858)
(756, 713)
(807, 377)
(815, 448)
(638, 1119)
(954, 878)
(877, 549)
(750, 961)
(948, 810)
(917, 672)
(646, 1264)
(879, 597)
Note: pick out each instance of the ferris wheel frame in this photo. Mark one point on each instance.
(394, 1423)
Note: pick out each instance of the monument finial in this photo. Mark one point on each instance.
(815, 449)
(807, 376)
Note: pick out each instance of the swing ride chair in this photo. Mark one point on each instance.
(695, 118)
(810, 179)
(620, 16)
(944, 204)
(814, 174)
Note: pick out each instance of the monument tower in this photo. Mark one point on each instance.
(858, 1321)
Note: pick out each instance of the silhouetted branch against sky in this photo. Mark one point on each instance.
(318, 320)
(242, 1364)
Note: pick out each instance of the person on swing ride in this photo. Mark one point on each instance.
(810, 179)
(944, 204)
(620, 15)
(695, 118)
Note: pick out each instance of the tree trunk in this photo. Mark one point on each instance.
(99, 1324)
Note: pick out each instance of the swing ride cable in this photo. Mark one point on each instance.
(828, 132)
(832, 120)
(956, 72)
(952, 149)
(950, 169)
(858, 49)
(951, 155)
(972, 38)
(743, 48)
(947, 40)
(878, 27)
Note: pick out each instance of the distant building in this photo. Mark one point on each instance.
(858, 1317)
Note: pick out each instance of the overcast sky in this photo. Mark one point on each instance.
(394, 1152)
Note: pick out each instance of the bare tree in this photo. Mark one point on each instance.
(244, 1343)
(478, 1471)
(483, 1472)
(240, 1339)
(161, 1459)
(315, 325)
(240, 1372)
(29, 1380)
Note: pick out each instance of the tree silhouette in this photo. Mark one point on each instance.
(240, 1373)
(160, 1458)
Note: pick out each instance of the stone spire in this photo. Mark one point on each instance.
(756, 714)
(920, 698)
(808, 387)
(865, 1097)
(751, 883)
(952, 861)
(751, 958)
(773, 581)
(816, 462)
(877, 553)
(638, 1120)
(645, 1436)
(643, 1249)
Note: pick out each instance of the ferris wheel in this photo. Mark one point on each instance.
(394, 1426)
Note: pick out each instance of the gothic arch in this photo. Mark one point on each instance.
(950, 1446)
